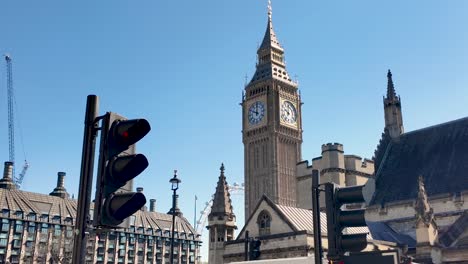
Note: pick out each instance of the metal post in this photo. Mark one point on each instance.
(247, 245)
(316, 217)
(173, 224)
(86, 179)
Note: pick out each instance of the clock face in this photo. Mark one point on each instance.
(288, 112)
(256, 112)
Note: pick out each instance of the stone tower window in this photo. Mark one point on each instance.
(264, 223)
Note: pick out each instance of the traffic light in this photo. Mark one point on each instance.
(338, 219)
(118, 165)
(255, 249)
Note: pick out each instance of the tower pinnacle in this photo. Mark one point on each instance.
(392, 109)
(269, 9)
(271, 63)
(222, 198)
(221, 220)
(390, 88)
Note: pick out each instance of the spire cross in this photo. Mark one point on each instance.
(269, 9)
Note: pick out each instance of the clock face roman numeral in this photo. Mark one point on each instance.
(256, 112)
(288, 112)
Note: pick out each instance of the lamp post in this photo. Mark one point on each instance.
(175, 185)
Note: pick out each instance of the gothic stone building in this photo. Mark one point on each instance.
(38, 228)
(421, 184)
(426, 216)
(272, 137)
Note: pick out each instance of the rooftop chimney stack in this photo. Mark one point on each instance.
(152, 205)
(7, 181)
(140, 190)
(60, 190)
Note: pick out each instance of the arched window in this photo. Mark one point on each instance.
(264, 223)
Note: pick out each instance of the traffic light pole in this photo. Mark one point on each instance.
(86, 179)
(246, 245)
(316, 217)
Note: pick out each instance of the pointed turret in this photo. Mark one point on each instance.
(423, 210)
(426, 227)
(222, 205)
(390, 88)
(221, 220)
(269, 40)
(270, 54)
(392, 108)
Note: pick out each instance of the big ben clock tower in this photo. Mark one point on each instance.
(271, 127)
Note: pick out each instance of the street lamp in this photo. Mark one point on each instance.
(175, 186)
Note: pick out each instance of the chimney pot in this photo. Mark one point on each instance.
(7, 181)
(8, 172)
(152, 205)
(61, 179)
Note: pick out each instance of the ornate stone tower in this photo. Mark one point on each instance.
(221, 221)
(271, 127)
(392, 109)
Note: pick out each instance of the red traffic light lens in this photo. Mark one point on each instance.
(125, 134)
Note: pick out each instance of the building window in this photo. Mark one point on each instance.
(5, 225)
(19, 226)
(31, 216)
(31, 227)
(5, 213)
(3, 242)
(264, 223)
(19, 214)
(57, 230)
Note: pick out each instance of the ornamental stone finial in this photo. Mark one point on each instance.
(269, 9)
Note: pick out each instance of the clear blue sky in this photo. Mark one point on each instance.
(182, 65)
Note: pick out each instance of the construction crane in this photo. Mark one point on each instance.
(11, 125)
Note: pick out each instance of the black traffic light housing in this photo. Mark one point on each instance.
(338, 219)
(254, 252)
(118, 165)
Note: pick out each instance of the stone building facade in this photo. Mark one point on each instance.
(278, 183)
(421, 175)
(333, 166)
(38, 228)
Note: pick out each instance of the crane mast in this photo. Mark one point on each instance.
(11, 124)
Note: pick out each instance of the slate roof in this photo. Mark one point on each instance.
(301, 219)
(450, 235)
(438, 153)
(271, 69)
(222, 204)
(29, 202)
(381, 231)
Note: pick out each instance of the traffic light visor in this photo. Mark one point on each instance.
(125, 168)
(128, 132)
